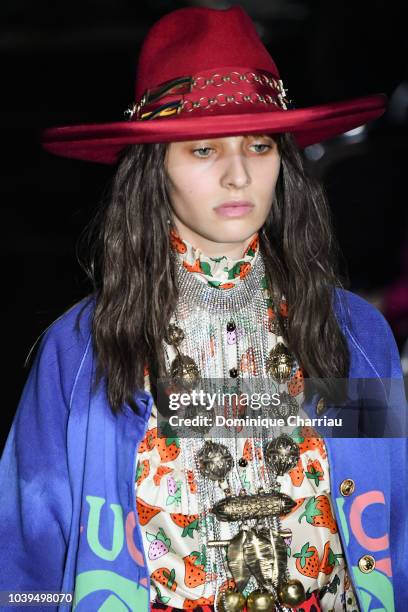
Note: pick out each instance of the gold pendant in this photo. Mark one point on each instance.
(174, 335)
(282, 454)
(215, 461)
(259, 553)
(245, 507)
(280, 362)
(265, 556)
(184, 371)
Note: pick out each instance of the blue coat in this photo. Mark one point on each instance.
(68, 520)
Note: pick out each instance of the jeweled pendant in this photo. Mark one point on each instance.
(184, 371)
(215, 461)
(282, 454)
(174, 335)
(288, 406)
(231, 601)
(260, 601)
(279, 363)
(292, 593)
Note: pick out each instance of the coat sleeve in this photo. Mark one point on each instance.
(398, 469)
(35, 492)
(374, 341)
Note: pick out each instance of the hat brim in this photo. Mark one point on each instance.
(102, 143)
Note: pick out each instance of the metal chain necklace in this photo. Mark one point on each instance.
(240, 531)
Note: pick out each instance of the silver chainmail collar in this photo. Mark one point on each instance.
(217, 300)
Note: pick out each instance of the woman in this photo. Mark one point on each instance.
(213, 261)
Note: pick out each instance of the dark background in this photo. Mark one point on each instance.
(75, 62)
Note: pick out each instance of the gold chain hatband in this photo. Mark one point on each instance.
(185, 85)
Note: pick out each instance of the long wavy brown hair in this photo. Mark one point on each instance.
(130, 265)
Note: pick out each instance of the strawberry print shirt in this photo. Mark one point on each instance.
(166, 492)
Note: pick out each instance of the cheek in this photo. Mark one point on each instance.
(266, 179)
(179, 186)
(189, 187)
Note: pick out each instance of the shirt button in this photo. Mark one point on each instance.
(320, 406)
(233, 372)
(366, 564)
(347, 487)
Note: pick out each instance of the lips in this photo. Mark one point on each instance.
(234, 208)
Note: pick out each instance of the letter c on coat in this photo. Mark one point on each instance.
(357, 508)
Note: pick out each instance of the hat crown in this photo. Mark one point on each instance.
(188, 41)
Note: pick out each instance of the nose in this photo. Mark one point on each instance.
(235, 172)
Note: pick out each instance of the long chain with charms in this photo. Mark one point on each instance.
(257, 550)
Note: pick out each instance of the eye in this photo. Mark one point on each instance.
(197, 152)
(264, 147)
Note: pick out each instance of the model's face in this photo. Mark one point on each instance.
(204, 174)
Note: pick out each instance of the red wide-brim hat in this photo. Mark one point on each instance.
(204, 73)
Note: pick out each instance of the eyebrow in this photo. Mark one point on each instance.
(253, 135)
(246, 136)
